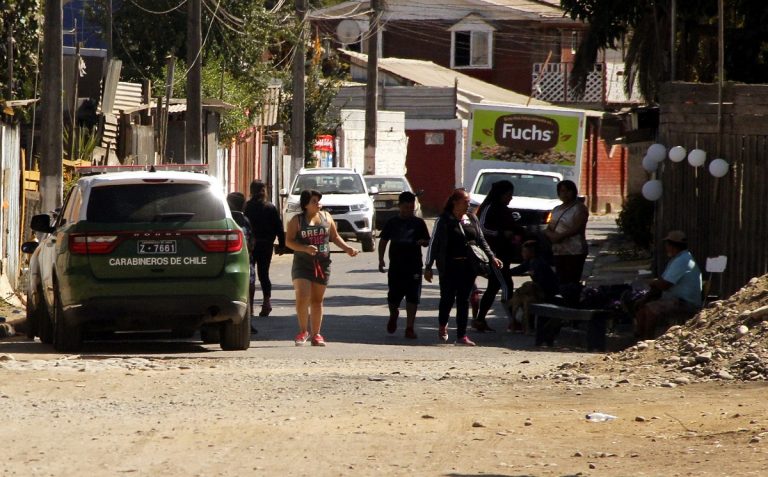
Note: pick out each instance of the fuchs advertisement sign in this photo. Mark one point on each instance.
(536, 138)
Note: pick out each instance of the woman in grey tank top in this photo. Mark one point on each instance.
(309, 235)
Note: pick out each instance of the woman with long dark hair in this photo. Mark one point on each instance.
(567, 232)
(453, 230)
(504, 237)
(309, 235)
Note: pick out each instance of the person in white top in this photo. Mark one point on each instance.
(567, 233)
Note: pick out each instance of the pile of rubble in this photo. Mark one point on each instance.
(726, 340)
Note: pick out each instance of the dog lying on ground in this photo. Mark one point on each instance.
(527, 293)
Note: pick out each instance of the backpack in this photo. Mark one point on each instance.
(245, 224)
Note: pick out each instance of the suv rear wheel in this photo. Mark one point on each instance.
(236, 337)
(368, 243)
(65, 337)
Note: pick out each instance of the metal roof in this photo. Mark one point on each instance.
(270, 108)
(468, 89)
(127, 96)
(447, 9)
(427, 73)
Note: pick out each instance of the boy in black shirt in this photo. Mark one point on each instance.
(407, 234)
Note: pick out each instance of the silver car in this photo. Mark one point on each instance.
(385, 202)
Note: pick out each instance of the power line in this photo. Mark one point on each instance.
(154, 12)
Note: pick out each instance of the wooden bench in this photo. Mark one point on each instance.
(597, 322)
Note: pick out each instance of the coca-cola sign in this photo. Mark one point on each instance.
(525, 132)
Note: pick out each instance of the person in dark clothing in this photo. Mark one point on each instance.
(453, 230)
(267, 225)
(405, 234)
(236, 202)
(538, 269)
(504, 237)
(543, 287)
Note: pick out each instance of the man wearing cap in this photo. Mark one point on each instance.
(406, 234)
(677, 292)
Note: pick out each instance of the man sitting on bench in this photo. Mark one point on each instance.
(677, 292)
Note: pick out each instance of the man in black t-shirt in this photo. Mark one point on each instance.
(406, 234)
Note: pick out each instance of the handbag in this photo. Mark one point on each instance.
(478, 260)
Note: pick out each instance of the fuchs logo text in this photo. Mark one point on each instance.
(524, 132)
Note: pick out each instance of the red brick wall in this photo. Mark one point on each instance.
(431, 167)
(604, 174)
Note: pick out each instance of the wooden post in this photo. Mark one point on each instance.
(108, 33)
(9, 52)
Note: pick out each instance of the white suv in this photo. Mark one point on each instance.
(345, 197)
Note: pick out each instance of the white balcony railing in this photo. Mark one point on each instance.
(551, 84)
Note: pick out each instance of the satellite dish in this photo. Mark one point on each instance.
(347, 31)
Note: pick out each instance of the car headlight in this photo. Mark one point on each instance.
(359, 208)
(293, 207)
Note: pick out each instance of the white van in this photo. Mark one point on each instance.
(534, 198)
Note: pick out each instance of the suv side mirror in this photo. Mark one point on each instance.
(283, 192)
(41, 223)
(373, 190)
(29, 247)
(419, 192)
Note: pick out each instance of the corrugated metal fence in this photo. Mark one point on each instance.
(10, 202)
(725, 216)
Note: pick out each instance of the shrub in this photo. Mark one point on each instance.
(636, 220)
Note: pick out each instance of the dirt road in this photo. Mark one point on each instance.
(310, 415)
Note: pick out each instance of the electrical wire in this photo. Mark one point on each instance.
(158, 12)
(225, 16)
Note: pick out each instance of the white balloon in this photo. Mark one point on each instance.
(649, 164)
(657, 152)
(697, 158)
(718, 168)
(652, 190)
(677, 154)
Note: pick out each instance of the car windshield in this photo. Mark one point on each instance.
(132, 203)
(388, 184)
(331, 183)
(526, 185)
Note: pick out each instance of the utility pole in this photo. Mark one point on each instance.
(299, 94)
(170, 63)
(52, 108)
(372, 89)
(194, 122)
(73, 106)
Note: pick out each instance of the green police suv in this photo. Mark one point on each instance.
(139, 251)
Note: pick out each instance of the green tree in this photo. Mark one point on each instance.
(245, 44)
(323, 80)
(22, 20)
(645, 25)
